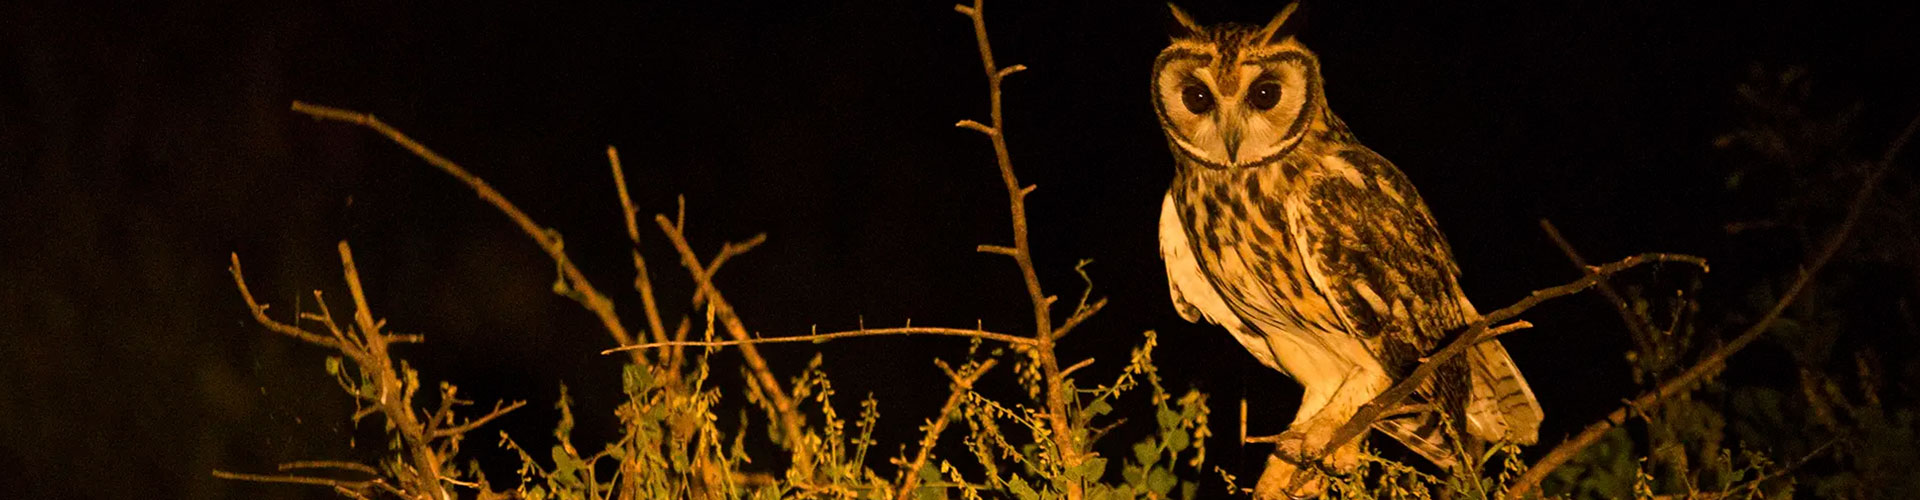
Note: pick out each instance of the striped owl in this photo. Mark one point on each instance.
(1313, 251)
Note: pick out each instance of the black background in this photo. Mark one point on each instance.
(140, 144)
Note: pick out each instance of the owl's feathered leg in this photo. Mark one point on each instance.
(1323, 411)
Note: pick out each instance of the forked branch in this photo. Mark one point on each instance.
(1713, 363)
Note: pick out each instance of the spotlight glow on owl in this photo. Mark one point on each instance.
(1313, 251)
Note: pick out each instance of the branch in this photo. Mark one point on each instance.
(548, 239)
(477, 422)
(821, 337)
(1480, 331)
(1043, 331)
(788, 414)
(259, 311)
(962, 384)
(641, 282)
(1714, 362)
(1636, 322)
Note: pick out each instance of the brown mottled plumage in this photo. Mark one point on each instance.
(1313, 251)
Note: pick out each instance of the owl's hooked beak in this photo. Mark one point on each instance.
(1230, 136)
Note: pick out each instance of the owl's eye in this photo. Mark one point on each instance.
(1264, 94)
(1197, 99)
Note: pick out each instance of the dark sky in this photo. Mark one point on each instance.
(140, 145)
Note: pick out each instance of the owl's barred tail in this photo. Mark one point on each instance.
(1502, 406)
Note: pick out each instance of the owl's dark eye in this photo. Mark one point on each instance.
(1264, 94)
(1197, 98)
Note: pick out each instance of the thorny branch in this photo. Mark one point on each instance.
(1714, 362)
(1017, 341)
(1022, 252)
(364, 342)
(786, 411)
(962, 384)
(549, 240)
(1479, 331)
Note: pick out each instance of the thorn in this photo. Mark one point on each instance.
(1007, 251)
(1029, 189)
(1011, 70)
(977, 127)
(965, 10)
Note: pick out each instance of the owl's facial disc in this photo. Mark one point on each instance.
(1246, 113)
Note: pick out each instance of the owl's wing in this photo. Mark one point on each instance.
(1378, 256)
(1182, 268)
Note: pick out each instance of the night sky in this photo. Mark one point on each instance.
(140, 145)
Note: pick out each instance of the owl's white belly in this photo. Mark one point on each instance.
(1324, 364)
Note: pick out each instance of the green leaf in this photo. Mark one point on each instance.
(1168, 419)
(1161, 482)
(333, 365)
(1098, 408)
(1177, 440)
(1021, 490)
(1145, 451)
(1090, 470)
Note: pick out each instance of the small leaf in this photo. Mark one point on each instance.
(1161, 482)
(333, 365)
(1021, 490)
(1099, 408)
(1145, 451)
(1090, 470)
(1176, 440)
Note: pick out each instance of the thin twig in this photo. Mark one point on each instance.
(788, 414)
(822, 337)
(477, 422)
(962, 384)
(641, 282)
(1714, 362)
(549, 240)
(353, 485)
(328, 464)
(1636, 322)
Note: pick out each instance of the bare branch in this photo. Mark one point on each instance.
(1479, 331)
(822, 337)
(641, 282)
(788, 414)
(549, 240)
(962, 384)
(348, 485)
(259, 311)
(328, 464)
(477, 422)
(1714, 362)
(1079, 316)
(1043, 331)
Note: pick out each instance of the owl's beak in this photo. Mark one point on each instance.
(1230, 137)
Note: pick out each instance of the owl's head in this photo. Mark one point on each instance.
(1234, 96)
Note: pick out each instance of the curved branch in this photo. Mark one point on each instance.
(821, 337)
(1714, 362)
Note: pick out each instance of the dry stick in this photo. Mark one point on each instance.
(395, 399)
(1017, 341)
(962, 384)
(549, 240)
(641, 282)
(1713, 362)
(820, 337)
(355, 487)
(1477, 332)
(1021, 251)
(1635, 321)
(791, 421)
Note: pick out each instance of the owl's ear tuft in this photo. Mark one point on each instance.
(1180, 25)
(1279, 29)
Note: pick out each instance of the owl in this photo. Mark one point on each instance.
(1312, 251)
